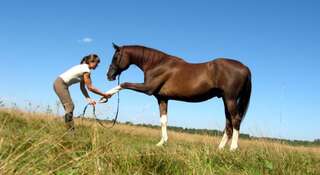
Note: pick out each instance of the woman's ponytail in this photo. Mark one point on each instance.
(89, 58)
(84, 60)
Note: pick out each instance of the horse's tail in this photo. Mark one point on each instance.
(244, 99)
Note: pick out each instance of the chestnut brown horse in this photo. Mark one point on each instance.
(168, 77)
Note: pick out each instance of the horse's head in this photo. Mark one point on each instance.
(120, 62)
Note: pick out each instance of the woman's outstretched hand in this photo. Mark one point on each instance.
(107, 95)
(105, 98)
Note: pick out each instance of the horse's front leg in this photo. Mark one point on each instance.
(163, 105)
(139, 87)
(114, 90)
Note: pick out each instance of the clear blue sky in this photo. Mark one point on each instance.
(278, 40)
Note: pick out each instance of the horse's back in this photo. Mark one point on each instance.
(229, 62)
(215, 66)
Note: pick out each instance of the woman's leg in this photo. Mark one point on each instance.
(62, 91)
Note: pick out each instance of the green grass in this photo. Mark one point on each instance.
(39, 144)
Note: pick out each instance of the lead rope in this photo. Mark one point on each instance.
(94, 110)
(118, 104)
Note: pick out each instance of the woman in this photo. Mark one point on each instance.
(79, 73)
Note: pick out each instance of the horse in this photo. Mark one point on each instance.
(168, 77)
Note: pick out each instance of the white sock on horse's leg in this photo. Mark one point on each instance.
(235, 137)
(164, 122)
(224, 140)
(114, 90)
(111, 91)
(164, 134)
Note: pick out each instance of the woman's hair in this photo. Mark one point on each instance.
(90, 58)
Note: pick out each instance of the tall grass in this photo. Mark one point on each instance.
(32, 143)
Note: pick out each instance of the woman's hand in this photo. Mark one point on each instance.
(91, 101)
(104, 98)
(107, 95)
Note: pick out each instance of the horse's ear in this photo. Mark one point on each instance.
(116, 47)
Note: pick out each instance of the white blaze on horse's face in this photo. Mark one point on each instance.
(164, 135)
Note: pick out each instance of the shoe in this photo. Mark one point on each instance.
(68, 119)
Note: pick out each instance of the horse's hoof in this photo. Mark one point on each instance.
(220, 148)
(103, 100)
(233, 149)
(161, 143)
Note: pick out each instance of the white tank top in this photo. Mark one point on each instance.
(74, 74)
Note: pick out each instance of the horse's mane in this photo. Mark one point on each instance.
(150, 54)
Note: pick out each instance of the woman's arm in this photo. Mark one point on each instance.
(84, 90)
(88, 83)
(85, 93)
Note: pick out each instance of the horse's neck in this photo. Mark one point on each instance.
(144, 61)
(139, 62)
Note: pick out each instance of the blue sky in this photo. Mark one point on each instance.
(279, 41)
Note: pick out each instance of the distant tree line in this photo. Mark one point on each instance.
(213, 132)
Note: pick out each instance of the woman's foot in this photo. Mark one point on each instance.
(68, 118)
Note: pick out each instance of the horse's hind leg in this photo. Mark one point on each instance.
(236, 120)
(163, 105)
(228, 129)
(231, 105)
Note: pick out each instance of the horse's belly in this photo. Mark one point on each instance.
(193, 98)
(189, 94)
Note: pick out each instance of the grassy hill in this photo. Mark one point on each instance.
(33, 143)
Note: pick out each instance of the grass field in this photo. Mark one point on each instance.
(33, 143)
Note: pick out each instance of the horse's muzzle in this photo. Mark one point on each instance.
(112, 72)
(111, 78)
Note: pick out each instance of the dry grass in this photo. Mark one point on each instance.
(33, 143)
